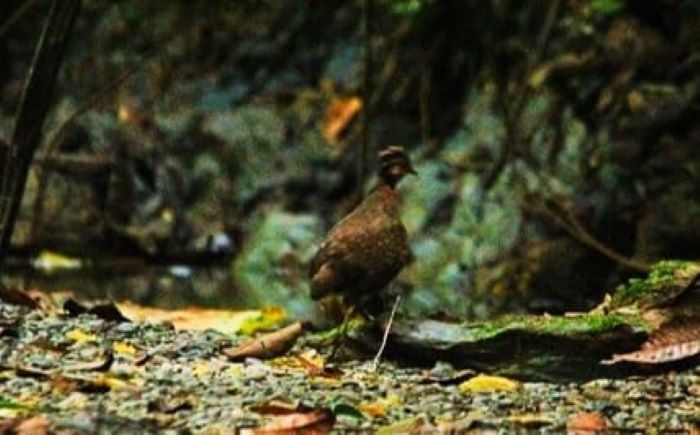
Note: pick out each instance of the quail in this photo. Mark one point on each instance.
(365, 250)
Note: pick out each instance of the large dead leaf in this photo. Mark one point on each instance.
(199, 319)
(287, 418)
(26, 426)
(267, 345)
(666, 344)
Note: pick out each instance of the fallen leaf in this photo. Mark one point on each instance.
(666, 344)
(339, 115)
(317, 366)
(530, 421)
(122, 348)
(101, 383)
(13, 296)
(80, 336)
(408, 426)
(315, 421)
(277, 407)
(199, 319)
(49, 261)
(267, 345)
(26, 426)
(268, 319)
(585, 423)
(486, 383)
(200, 369)
(309, 362)
(380, 407)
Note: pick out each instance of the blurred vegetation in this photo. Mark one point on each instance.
(556, 142)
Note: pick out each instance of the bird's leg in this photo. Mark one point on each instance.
(343, 331)
(377, 358)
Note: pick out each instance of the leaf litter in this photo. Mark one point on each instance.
(86, 373)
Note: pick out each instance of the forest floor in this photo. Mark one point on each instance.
(84, 374)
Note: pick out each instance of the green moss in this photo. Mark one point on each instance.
(662, 277)
(555, 325)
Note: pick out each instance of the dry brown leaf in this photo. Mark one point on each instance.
(666, 344)
(339, 115)
(15, 296)
(101, 383)
(26, 426)
(267, 345)
(309, 422)
(277, 407)
(586, 423)
(314, 368)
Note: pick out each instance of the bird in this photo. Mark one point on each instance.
(367, 248)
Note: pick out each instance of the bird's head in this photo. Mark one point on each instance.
(394, 164)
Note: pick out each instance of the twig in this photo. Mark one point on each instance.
(385, 338)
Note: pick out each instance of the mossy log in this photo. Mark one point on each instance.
(569, 347)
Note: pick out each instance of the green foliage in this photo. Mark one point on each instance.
(407, 7)
(271, 269)
(606, 7)
(6, 403)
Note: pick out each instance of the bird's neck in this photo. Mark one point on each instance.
(384, 196)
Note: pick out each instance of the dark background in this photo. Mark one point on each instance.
(557, 145)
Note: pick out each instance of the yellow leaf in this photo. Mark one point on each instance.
(200, 369)
(112, 382)
(380, 407)
(409, 425)
(486, 383)
(80, 336)
(123, 348)
(50, 261)
(236, 370)
(268, 318)
(199, 319)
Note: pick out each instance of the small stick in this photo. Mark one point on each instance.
(375, 362)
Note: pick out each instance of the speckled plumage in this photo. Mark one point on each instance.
(365, 251)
